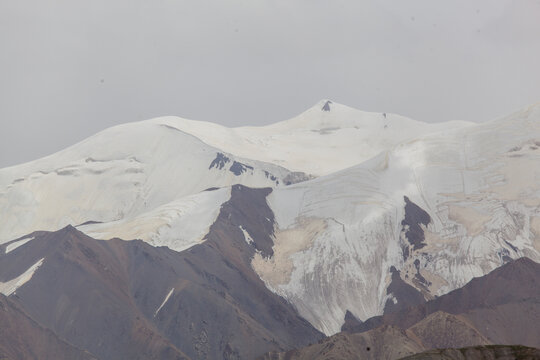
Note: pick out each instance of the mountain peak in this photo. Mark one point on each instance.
(326, 106)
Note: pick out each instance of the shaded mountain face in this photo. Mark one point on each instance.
(23, 338)
(502, 307)
(127, 299)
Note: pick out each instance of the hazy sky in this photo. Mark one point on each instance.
(71, 68)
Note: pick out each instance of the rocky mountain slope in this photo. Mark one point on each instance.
(502, 307)
(126, 299)
(23, 338)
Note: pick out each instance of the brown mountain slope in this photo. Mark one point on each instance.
(370, 345)
(503, 305)
(389, 342)
(127, 299)
(23, 338)
(500, 307)
(443, 330)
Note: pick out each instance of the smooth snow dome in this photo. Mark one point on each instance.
(135, 177)
(326, 138)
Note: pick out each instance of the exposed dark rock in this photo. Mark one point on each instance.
(415, 216)
(219, 162)
(296, 177)
(511, 246)
(351, 322)
(237, 168)
(419, 280)
(326, 106)
(404, 294)
(504, 304)
(270, 176)
(89, 223)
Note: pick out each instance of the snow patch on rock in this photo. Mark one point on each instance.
(9, 287)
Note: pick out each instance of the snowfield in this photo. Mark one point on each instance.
(324, 139)
(118, 175)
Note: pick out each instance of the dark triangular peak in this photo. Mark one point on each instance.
(351, 322)
(326, 106)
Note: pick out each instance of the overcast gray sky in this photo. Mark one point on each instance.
(71, 68)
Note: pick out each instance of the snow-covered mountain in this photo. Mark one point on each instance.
(441, 209)
(144, 180)
(372, 211)
(136, 180)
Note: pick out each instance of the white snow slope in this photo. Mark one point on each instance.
(138, 179)
(339, 235)
(326, 138)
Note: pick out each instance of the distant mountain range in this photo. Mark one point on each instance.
(317, 237)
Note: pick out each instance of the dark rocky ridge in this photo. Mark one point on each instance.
(104, 296)
(405, 294)
(415, 216)
(219, 162)
(514, 288)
